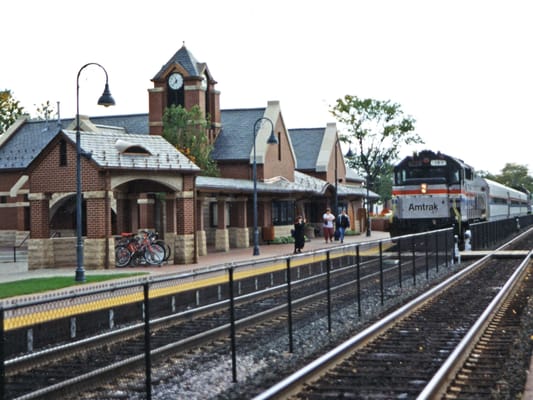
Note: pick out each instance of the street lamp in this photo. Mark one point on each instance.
(271, 140)
(105, 100)
(368, 233)
(348, 154)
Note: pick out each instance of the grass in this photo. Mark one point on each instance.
(39, 285)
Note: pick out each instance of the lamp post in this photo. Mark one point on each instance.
(368, 232)
(105, 100)
(336, 205)
(271, 140)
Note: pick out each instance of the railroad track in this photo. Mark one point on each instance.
(413, 351)
(78, 366)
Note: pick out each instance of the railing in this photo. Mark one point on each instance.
(15, 247)
(408, 257)
(486, 235)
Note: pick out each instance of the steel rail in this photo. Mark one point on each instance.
(289, 385)
(437, 386)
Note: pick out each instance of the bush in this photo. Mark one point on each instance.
(282, 240)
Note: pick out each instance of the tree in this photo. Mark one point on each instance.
(516, 176)
(378, 129)
(45, 111)
(10, 110)
(382, 184)
(187, 131)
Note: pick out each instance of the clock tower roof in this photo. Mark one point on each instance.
(186, 61)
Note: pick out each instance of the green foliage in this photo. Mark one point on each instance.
(282, 240)
(10, 110)
(351, 232)
(187, 131)
(39, 285)
(377, 129)
(516, 176)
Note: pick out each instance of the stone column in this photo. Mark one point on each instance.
(40, 246)
(221, 234)
(201, 238)
(239, 233)
(184, 247)
(98, 249)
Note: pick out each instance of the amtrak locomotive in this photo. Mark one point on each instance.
(432, 191)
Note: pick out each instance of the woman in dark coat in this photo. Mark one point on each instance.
(299, 234)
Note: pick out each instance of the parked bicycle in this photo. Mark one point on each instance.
(139, 249)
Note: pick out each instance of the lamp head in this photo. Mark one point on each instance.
(106, 99)
(272, 139)
(349, 154)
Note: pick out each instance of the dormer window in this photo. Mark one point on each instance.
(131, 148)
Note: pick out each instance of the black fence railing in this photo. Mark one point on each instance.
(487, 235)
(393, 264)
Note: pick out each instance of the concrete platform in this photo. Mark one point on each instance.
(13, 271)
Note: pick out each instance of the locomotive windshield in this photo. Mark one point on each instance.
(420, 171)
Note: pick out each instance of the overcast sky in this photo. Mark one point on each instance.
(462, 68)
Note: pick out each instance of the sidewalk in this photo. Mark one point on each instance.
(10, 272)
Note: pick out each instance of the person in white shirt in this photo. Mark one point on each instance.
(328, 218)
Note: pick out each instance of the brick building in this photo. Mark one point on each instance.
(133, 179)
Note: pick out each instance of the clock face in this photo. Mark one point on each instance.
(175, 81)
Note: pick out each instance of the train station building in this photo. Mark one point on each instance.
(133, 179)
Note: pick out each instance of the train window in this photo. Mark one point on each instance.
(455, 176)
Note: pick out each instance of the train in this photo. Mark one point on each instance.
(432, 190)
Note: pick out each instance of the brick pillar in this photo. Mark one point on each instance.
(40, 246)
(99, 244)
(39, 215)
(22, 223)
(201, 237)
(221, 234)
(184, 246)
(239, 232)
(98, 214)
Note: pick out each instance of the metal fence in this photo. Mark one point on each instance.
(487, 235)
(392, 264)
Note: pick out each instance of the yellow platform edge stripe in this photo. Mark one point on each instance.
(17, 322)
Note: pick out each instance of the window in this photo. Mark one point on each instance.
(283, 212)
(213, 215)
(279, 146)
(62, 153)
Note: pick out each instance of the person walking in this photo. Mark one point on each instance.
(328, 218)
(343, 223)
(299, 234)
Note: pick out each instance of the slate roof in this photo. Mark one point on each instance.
(280, 185)
(108, 150)
(235, 141)
(303, 184)
(184, 58)
(21, 148)
(306, 145)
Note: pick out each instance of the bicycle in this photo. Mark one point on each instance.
(138, 249)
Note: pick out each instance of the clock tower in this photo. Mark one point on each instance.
(185, 82)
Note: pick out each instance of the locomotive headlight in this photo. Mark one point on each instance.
(423, 188)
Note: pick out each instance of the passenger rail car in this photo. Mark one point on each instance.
(433, 190)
